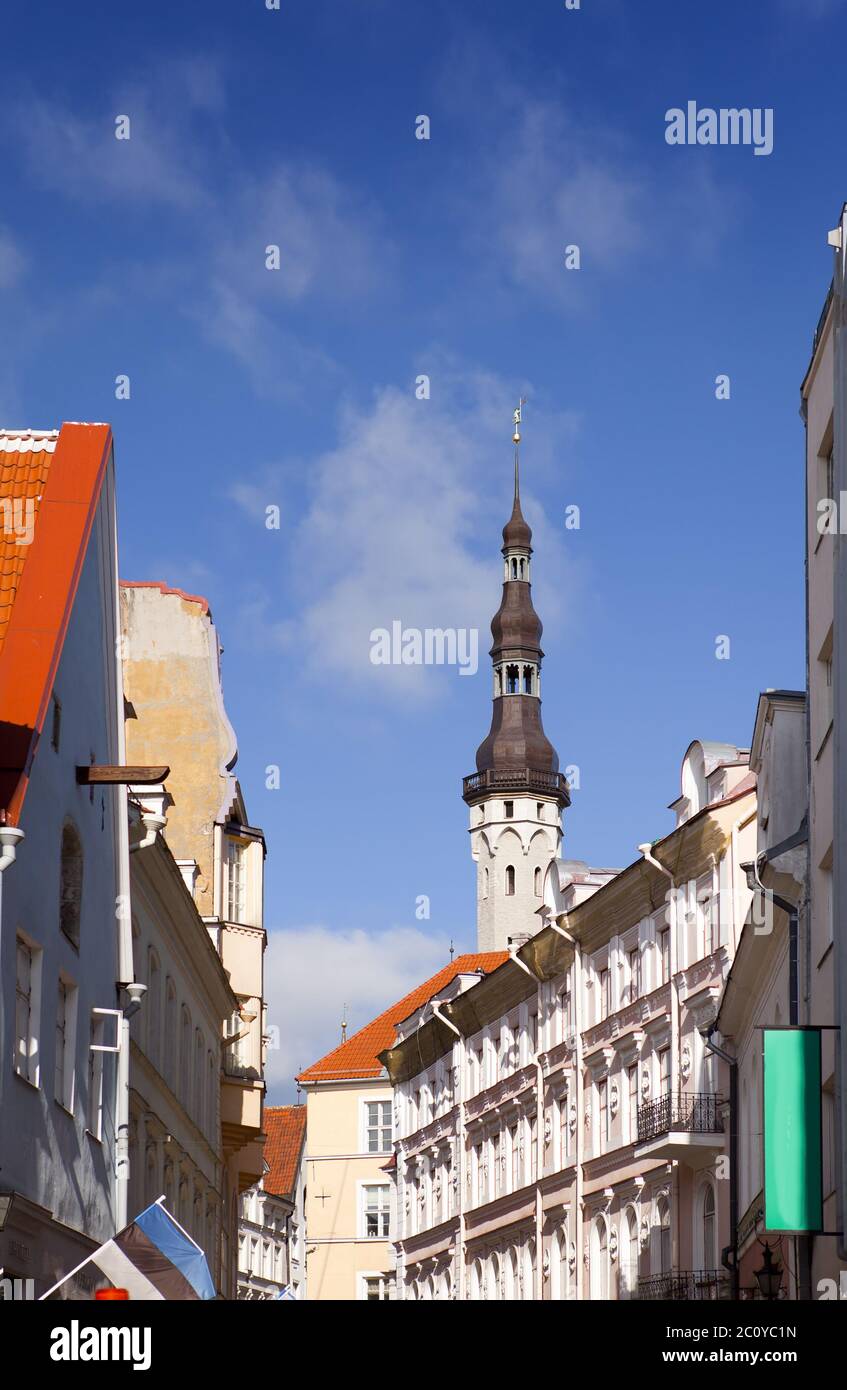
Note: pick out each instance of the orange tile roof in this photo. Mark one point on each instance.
(25, 458)
(359, 1055)
(285, 1128)
(61, 473)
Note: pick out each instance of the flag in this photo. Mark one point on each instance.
(152, 1258)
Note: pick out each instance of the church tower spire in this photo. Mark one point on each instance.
(517, 794)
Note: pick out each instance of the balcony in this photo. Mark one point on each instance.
(686, 1285)
(685, 1125)
(516, 780)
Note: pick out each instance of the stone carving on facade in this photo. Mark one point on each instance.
(572, 1259)
(545, 1264)
(613, 1244)
(572, 1116)
(645, 1081)
(644, 1233)
(685, 1063)
(548, 1127)
(613, 1099)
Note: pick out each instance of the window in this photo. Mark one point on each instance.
(27, 1009)
(476, 1174)
(539, 810)
(533, 1035)
(533, 1148)
(512, 679)
(170, 1058)
(378, 1126)
(95, 1078)
(376, 1211)
(709, 1257)
(632, 1093)
(508, 809)
(70, 890)
(537, 882)
(153, 1007)
(663, 1214)
(235, 880)
(599, 1264)
(515, 1151)
(376, 1288)
(197, 1089)
(510, 880)
(565, 1013)
(485, 883)
(665, 1071)
(65, 1043)
(664, 943)
(185, 1058)
(605, 993)
(527, 680)
(634, 968)
(603, 1097)
(564, 1130)
(629, 1255)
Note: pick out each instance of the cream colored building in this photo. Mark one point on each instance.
(350, 1151)
(562, 1124)
(176, 716)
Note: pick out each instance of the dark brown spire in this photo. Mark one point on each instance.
(517, 754)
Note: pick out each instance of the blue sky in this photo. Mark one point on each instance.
(296, 388)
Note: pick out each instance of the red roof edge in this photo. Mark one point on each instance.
(44, 601)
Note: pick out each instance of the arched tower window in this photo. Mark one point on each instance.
(514, 568)
(510, 881)
(512, 680)
(70, 891)
(527, 680)
(485, 883)
(537, 878)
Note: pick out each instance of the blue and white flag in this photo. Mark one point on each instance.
(152, 1258)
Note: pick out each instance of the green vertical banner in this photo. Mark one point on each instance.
(792, 1125)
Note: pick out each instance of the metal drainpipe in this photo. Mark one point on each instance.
(732, 1063)
(578, 1214)
(460, 1136)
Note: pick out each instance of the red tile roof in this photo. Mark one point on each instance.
(166, 589)
(285, 1127)
(62, 475)
(359, 1055)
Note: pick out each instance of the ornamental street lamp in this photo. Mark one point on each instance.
(769, 1277)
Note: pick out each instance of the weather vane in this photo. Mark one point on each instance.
(516, 437)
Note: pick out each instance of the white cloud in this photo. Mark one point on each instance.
(403, 526)
(13, 262)
(311, 973)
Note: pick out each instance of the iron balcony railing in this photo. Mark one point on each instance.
(689, 1111)
(686, 1285)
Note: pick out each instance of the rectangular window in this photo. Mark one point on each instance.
(235, 880)
(95, 1078)
(533, 1149)
(508, 809)
(665, 1071)
(27, 1010)
(564, 1130)
(376, 1288)
(379, 1132)
(632, 1092)
(515, 1149)
(603, 1094)
(533, 1035)
(377, 1211)
(565, 1013)
(664, 943)
(634, 967)
(605, 993)
(65, 1043)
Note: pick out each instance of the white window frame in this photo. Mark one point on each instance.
(364, 1127)
(65, 1094)
(386, 1280)
(28, 1067)
(363, 1185)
